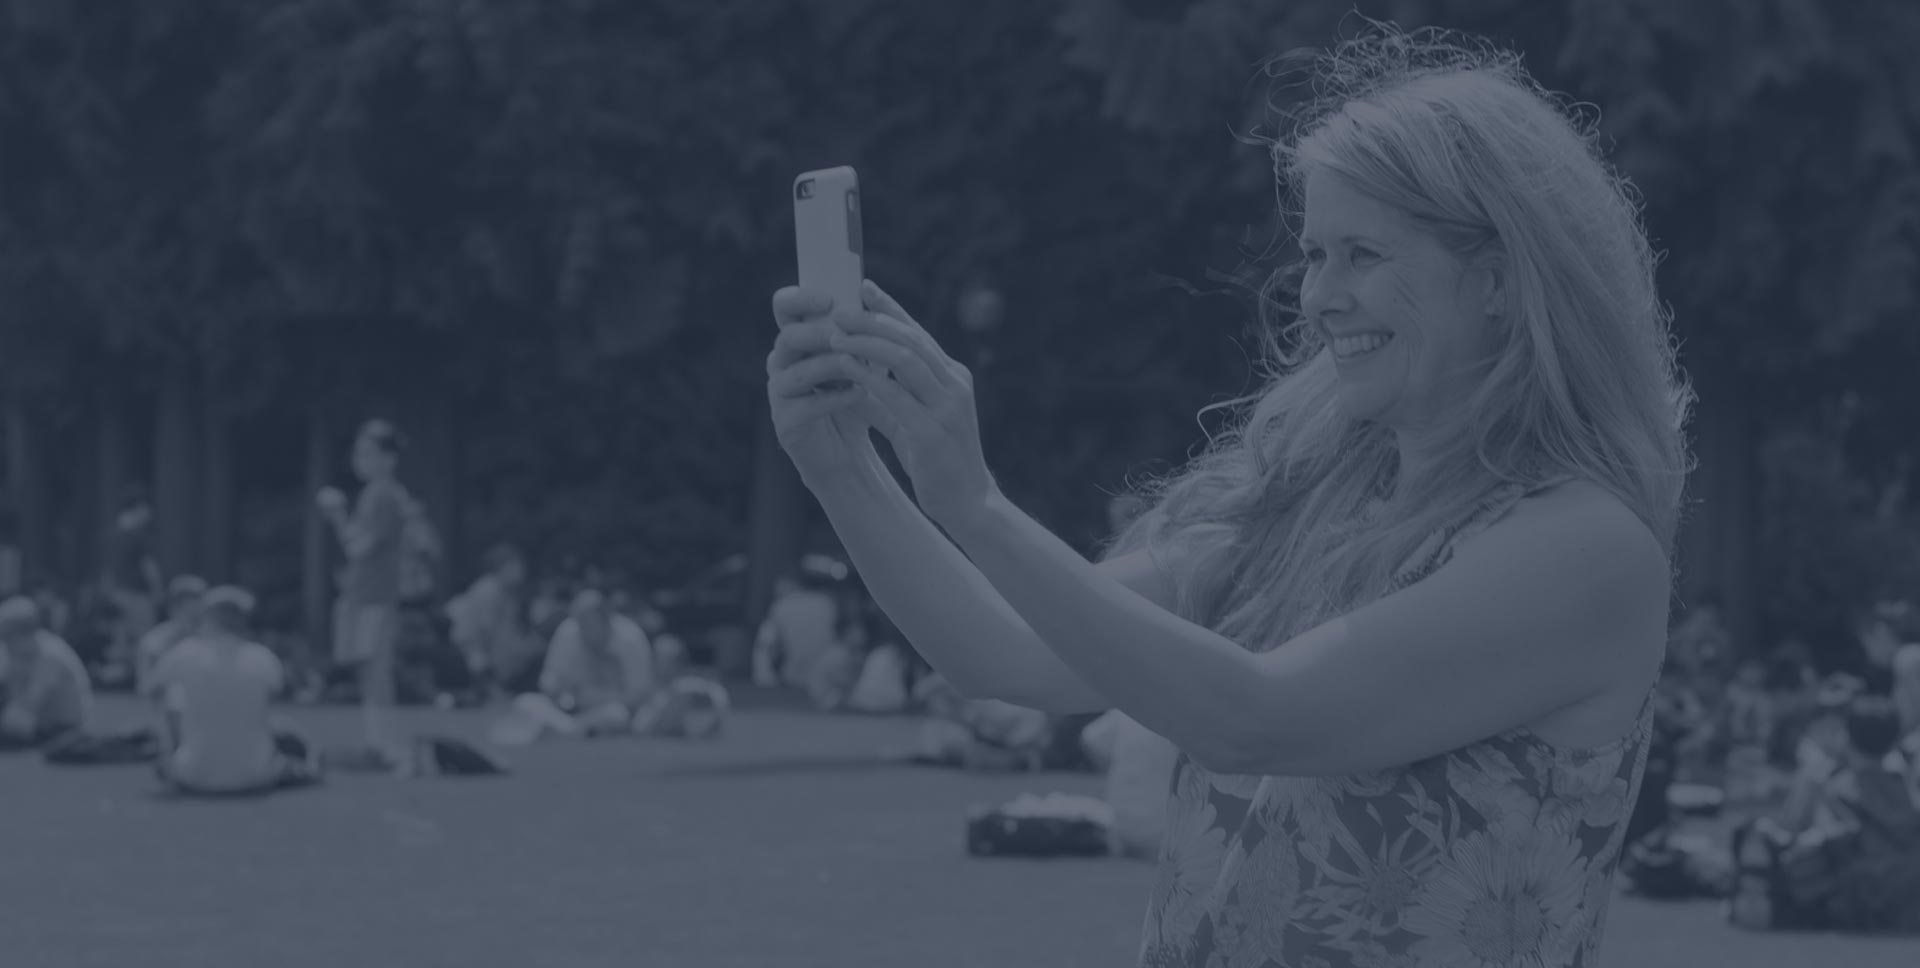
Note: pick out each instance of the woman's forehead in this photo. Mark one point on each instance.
(1335, 208)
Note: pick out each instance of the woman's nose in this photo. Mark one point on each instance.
(1322, 291)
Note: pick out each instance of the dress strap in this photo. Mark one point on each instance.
(1438, 549)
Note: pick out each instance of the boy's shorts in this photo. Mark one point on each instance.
(362, 633)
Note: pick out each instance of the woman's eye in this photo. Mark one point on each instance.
(1363, 254)
(1316, 256)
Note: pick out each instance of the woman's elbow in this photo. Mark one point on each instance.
(1229, 758)
(1245, 752)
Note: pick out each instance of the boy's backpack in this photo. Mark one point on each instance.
(420, 550)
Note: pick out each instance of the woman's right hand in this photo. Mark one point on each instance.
(331, 500)
(818, 426)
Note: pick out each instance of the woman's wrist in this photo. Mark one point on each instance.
(966, 521)
(862, 481)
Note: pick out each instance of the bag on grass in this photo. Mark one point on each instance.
(111, 749)
(1056, 825)
(446, 756)
(691, 707)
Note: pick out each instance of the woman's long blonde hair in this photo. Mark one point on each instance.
(1270, 529)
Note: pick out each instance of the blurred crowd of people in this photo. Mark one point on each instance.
(1809, 783)
(1805, 764)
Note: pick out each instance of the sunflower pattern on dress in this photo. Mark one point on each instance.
(1500, 854)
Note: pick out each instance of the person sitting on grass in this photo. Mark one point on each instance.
(44, 690)
(489, 626)
(1847, 855)
(885, 683)
(1746, 724)
(669, 650)
(216, 690)
(800, 643)
(183, 619)
(1820, 757)
(1906, 701)
(599, 673)
(983, 735)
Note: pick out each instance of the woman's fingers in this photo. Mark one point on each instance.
(813, 406)
(879, 303)
(799, 378)
(792, 304)
(895, 369)
(902, 411)
(874, 414)
(876, 299)
(907, 366)
(798, 341)
(911, 338)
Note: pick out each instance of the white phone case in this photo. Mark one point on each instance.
(827, 238)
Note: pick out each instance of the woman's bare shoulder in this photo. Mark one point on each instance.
(1581, 517)
(1584, 500)
(1141, 571)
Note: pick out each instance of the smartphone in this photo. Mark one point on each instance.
(827, 238)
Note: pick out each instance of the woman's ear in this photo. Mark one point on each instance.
(1493, 271)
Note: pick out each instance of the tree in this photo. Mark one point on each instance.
(544, 234)
(109, 246)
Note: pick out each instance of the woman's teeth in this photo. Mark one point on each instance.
(1347, 347)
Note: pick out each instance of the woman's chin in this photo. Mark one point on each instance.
(1360, 401)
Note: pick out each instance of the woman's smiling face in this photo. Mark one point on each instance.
(1406, 320)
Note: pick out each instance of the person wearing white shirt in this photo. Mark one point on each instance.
(216, 691)
(44, 689)
(599, 674)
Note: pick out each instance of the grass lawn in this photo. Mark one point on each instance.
(781, 844)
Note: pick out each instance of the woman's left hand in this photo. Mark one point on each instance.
(925, 408)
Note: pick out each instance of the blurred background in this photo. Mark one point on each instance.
(542, 236)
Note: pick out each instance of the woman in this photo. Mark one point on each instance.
(1405, 621)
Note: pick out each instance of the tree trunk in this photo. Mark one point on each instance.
(1718, 540)
(452, 512)
(778, 524)
(217, 491)
(26, 473)
(176, 496)
(316, 580)
(110, 464)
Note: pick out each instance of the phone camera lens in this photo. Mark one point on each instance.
(804, 189)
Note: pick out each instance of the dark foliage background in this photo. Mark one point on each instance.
(542, 233)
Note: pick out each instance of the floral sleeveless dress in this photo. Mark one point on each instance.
(1501, 853)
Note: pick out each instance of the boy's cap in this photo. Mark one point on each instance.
(186, 586)
(19, 614)
(230, 596)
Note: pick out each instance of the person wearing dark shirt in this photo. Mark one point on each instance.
(1879, 637)
(367, 616)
